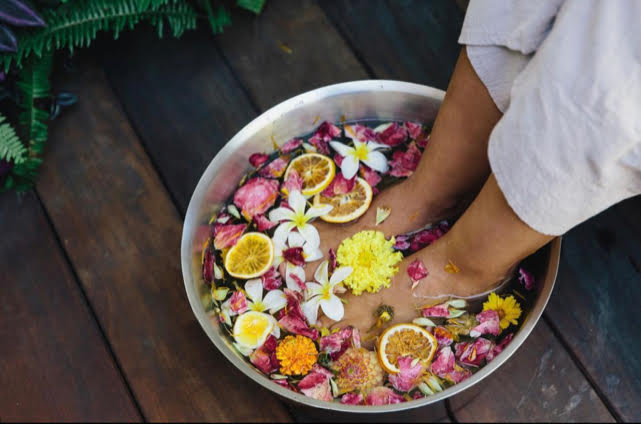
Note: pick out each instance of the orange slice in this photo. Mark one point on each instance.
(316, 171)
(405, 340)
(348, 206)
(250, 257)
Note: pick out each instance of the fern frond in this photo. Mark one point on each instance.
(11, 148)
(75, 24)
(255, 6)
(218, 19)
(23, 175)
(34, 84)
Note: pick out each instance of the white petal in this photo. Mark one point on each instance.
(276, 329)
(297, 202)
(376, 146)
(313, 289)
(275, 300)
(295, 240)
(281, 214)
(321, 272)
(282, 231)
(310, 309)
(349, 167)
(342, 149)
(294, 271)
(316, 211)
(377, 161)
(357, 143)
(340, 274)
(382, 127)
(254, 289)
(350, 131)
(310, 233)
(333, 308)
(312, 253)
(278, 259)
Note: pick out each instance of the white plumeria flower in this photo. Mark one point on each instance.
(322, 294)
(274, 301)
(295, 273)
(298, 218)
(361, 152)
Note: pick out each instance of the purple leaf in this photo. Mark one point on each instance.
(19, 13)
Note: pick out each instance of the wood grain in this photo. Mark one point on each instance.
(596, 303)
(539, 383)
(122, 234)
(409, 40)
(287, 50)
(54, 364)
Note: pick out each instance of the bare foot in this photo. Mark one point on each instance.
(438, 286)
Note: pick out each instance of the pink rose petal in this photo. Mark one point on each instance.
(438, 311)
(403, 164)
(293, 320)
(417, 271)
(443, 336)
(444, 362)
(527, 279)
(422, 140)
(293, 182)
(208, 266)
(372, 177)
(338, 160)
(256, 196)
(413, 129)
(393, 135)
(458, 375)
(426, 237)
(337, 343)
(499, 347)
(316, 385)
(264, 358)
(323, 135)
(263, 223)
(228, 235)
(488, 324)
(408, 376)
(257, 159)
(360, 132)
(294, 255)
(401, 242)
(271, 279)
(473, 354)
(291, 145)
(352, 399)
(332, 260)
(339, 185)
(238, 302)
(275, 168)
(383, 396)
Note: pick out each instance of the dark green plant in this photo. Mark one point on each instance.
(71, 25)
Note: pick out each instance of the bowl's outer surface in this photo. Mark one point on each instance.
(351, 101)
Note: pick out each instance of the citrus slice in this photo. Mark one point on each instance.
(316, 171)
(405, 340)
(252, 328)
(348, 206)
(250, 257)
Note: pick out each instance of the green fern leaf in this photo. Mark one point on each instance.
(11, 148)
(255, 6)
(34, 84)
(75, 24)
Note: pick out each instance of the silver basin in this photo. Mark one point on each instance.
(352, 101)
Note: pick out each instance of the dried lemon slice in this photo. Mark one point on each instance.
(405, 340)
(348, 206)
(250, 257)
(317, 172)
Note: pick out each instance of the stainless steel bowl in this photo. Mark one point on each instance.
(352, 101)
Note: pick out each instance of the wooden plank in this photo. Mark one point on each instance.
(54, 364)
(123, 237)
(539, 383)
(290, 48)
(409, 40)
(596, 303)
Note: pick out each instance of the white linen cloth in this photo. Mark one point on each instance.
(567, 75)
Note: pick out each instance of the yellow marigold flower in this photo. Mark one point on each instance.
(509, 309)
(297, 355)
(372, 258)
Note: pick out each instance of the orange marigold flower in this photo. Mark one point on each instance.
(297, 355)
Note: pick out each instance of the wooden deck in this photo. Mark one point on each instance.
(94, 321)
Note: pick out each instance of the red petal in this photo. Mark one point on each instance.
(438, 311)
(332, 260)
(352, 399)
(323, 135)
(393, 135)
(262, 223)
(271, 279)
(401, 242)
(257, 159)
(427, 237)
(443, 336)
(527, 279)
(488, 324)
(372, 177)
(499, 347)
(256, 196)
(316, 384)
(291, 145)
(293, 182)
(337, 343)
(407, 378)
(473, 354)
(208, 266)
(293, 319)
(228, 235)
(360, 132)
(403, 164)
(417, 270)
(383, 396)
(413, 129)
(294, 255)
(444, 362)
(275, 168)
(339, 185)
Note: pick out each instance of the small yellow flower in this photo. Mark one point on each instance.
(372, 259)
(297, 355)
(509, 309)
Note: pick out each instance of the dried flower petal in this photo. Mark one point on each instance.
(413, 129)
(323, 135)
(293, 182)
(275, 168)
(291, 145)
(444, 362)
(401, 242)
(426, 237)
(488, 324)
(264, 358)
(443, 336)
(451, 268)
(256, 196)
(352, 399)
(360, 132)
(332, 260)
(403, 164)
(238, 303)
(382, 214)
(228, 235)
(263, 223)
(383, 396)
(293, 320)
(499, 347)
(337, 343)
(271, 279)
(372, 177)
(473, 353)
(294, 255)
(527, 279)
(316, 384)
(391, 134)
(208, 266)
(437, 311)
(257, 159)
(339, 185)
(407, 378)
(417, 271)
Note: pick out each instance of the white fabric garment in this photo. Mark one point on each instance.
(567, 75)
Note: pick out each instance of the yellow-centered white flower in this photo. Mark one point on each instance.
(295, 273)
(297, 216)
(321, 293)
(361, 152)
